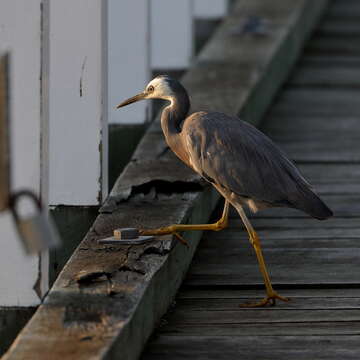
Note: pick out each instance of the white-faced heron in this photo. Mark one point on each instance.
(242, 163)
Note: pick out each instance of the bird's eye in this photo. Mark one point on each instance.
(150, 88)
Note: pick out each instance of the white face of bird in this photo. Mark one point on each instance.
(157, 88)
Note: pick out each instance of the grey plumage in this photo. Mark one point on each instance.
(238, 158)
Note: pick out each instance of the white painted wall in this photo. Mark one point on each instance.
(172, 42)
(20, 22)
(210, 9)
(128, 58)
(77, 90)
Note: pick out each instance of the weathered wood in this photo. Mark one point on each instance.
(196, 294)
(343, 205)
(334, 46)
(107, 300)
(340, 26)
(207, 317)
(298, 102)
(327, 76)
(313, 261)
(256, 347)
(336, 60)
(4, 133)
(344, 9)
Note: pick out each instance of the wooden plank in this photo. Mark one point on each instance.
(326, 76)
(286, 126)
(335, 150)
(334, 45)
(344, 9)
(332, 178)
(107, 300)
(230, 260)
(255, 347)
(4, 133)
(188, 309)
(329, 61)
(298, 102)
(195, 294)
(209, 317)
(339, 26)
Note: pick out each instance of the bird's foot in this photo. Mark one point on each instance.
(268, 300)
(165, 231)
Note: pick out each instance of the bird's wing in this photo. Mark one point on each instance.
(234, 154)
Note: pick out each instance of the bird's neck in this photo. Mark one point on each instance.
(173, 116)
(172, 119)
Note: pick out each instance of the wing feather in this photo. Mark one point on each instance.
(240, 158)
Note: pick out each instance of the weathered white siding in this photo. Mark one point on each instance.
(210, 9)
(128, 58)
(77, 120)
(20, 32)
(172, 42)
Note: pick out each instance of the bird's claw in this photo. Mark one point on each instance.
(181, 239)
(156, 233)
(268, 300)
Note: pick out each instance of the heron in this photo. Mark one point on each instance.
(241, 162)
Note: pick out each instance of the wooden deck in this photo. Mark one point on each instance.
(316, 120)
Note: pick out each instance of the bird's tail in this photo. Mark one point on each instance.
(313, 205)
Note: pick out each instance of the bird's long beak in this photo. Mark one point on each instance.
(133, 99)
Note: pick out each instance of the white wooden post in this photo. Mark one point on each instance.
(77, 94)
(128, 58)
(210, 9)
(172, 42)
(22, 278)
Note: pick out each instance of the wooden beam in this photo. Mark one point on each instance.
(107, 300)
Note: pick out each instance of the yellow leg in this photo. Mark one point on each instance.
(271, 294)
(174, 229)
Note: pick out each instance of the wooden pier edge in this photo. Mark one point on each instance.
(107, 300)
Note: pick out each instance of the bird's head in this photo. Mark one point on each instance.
(161, 87)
